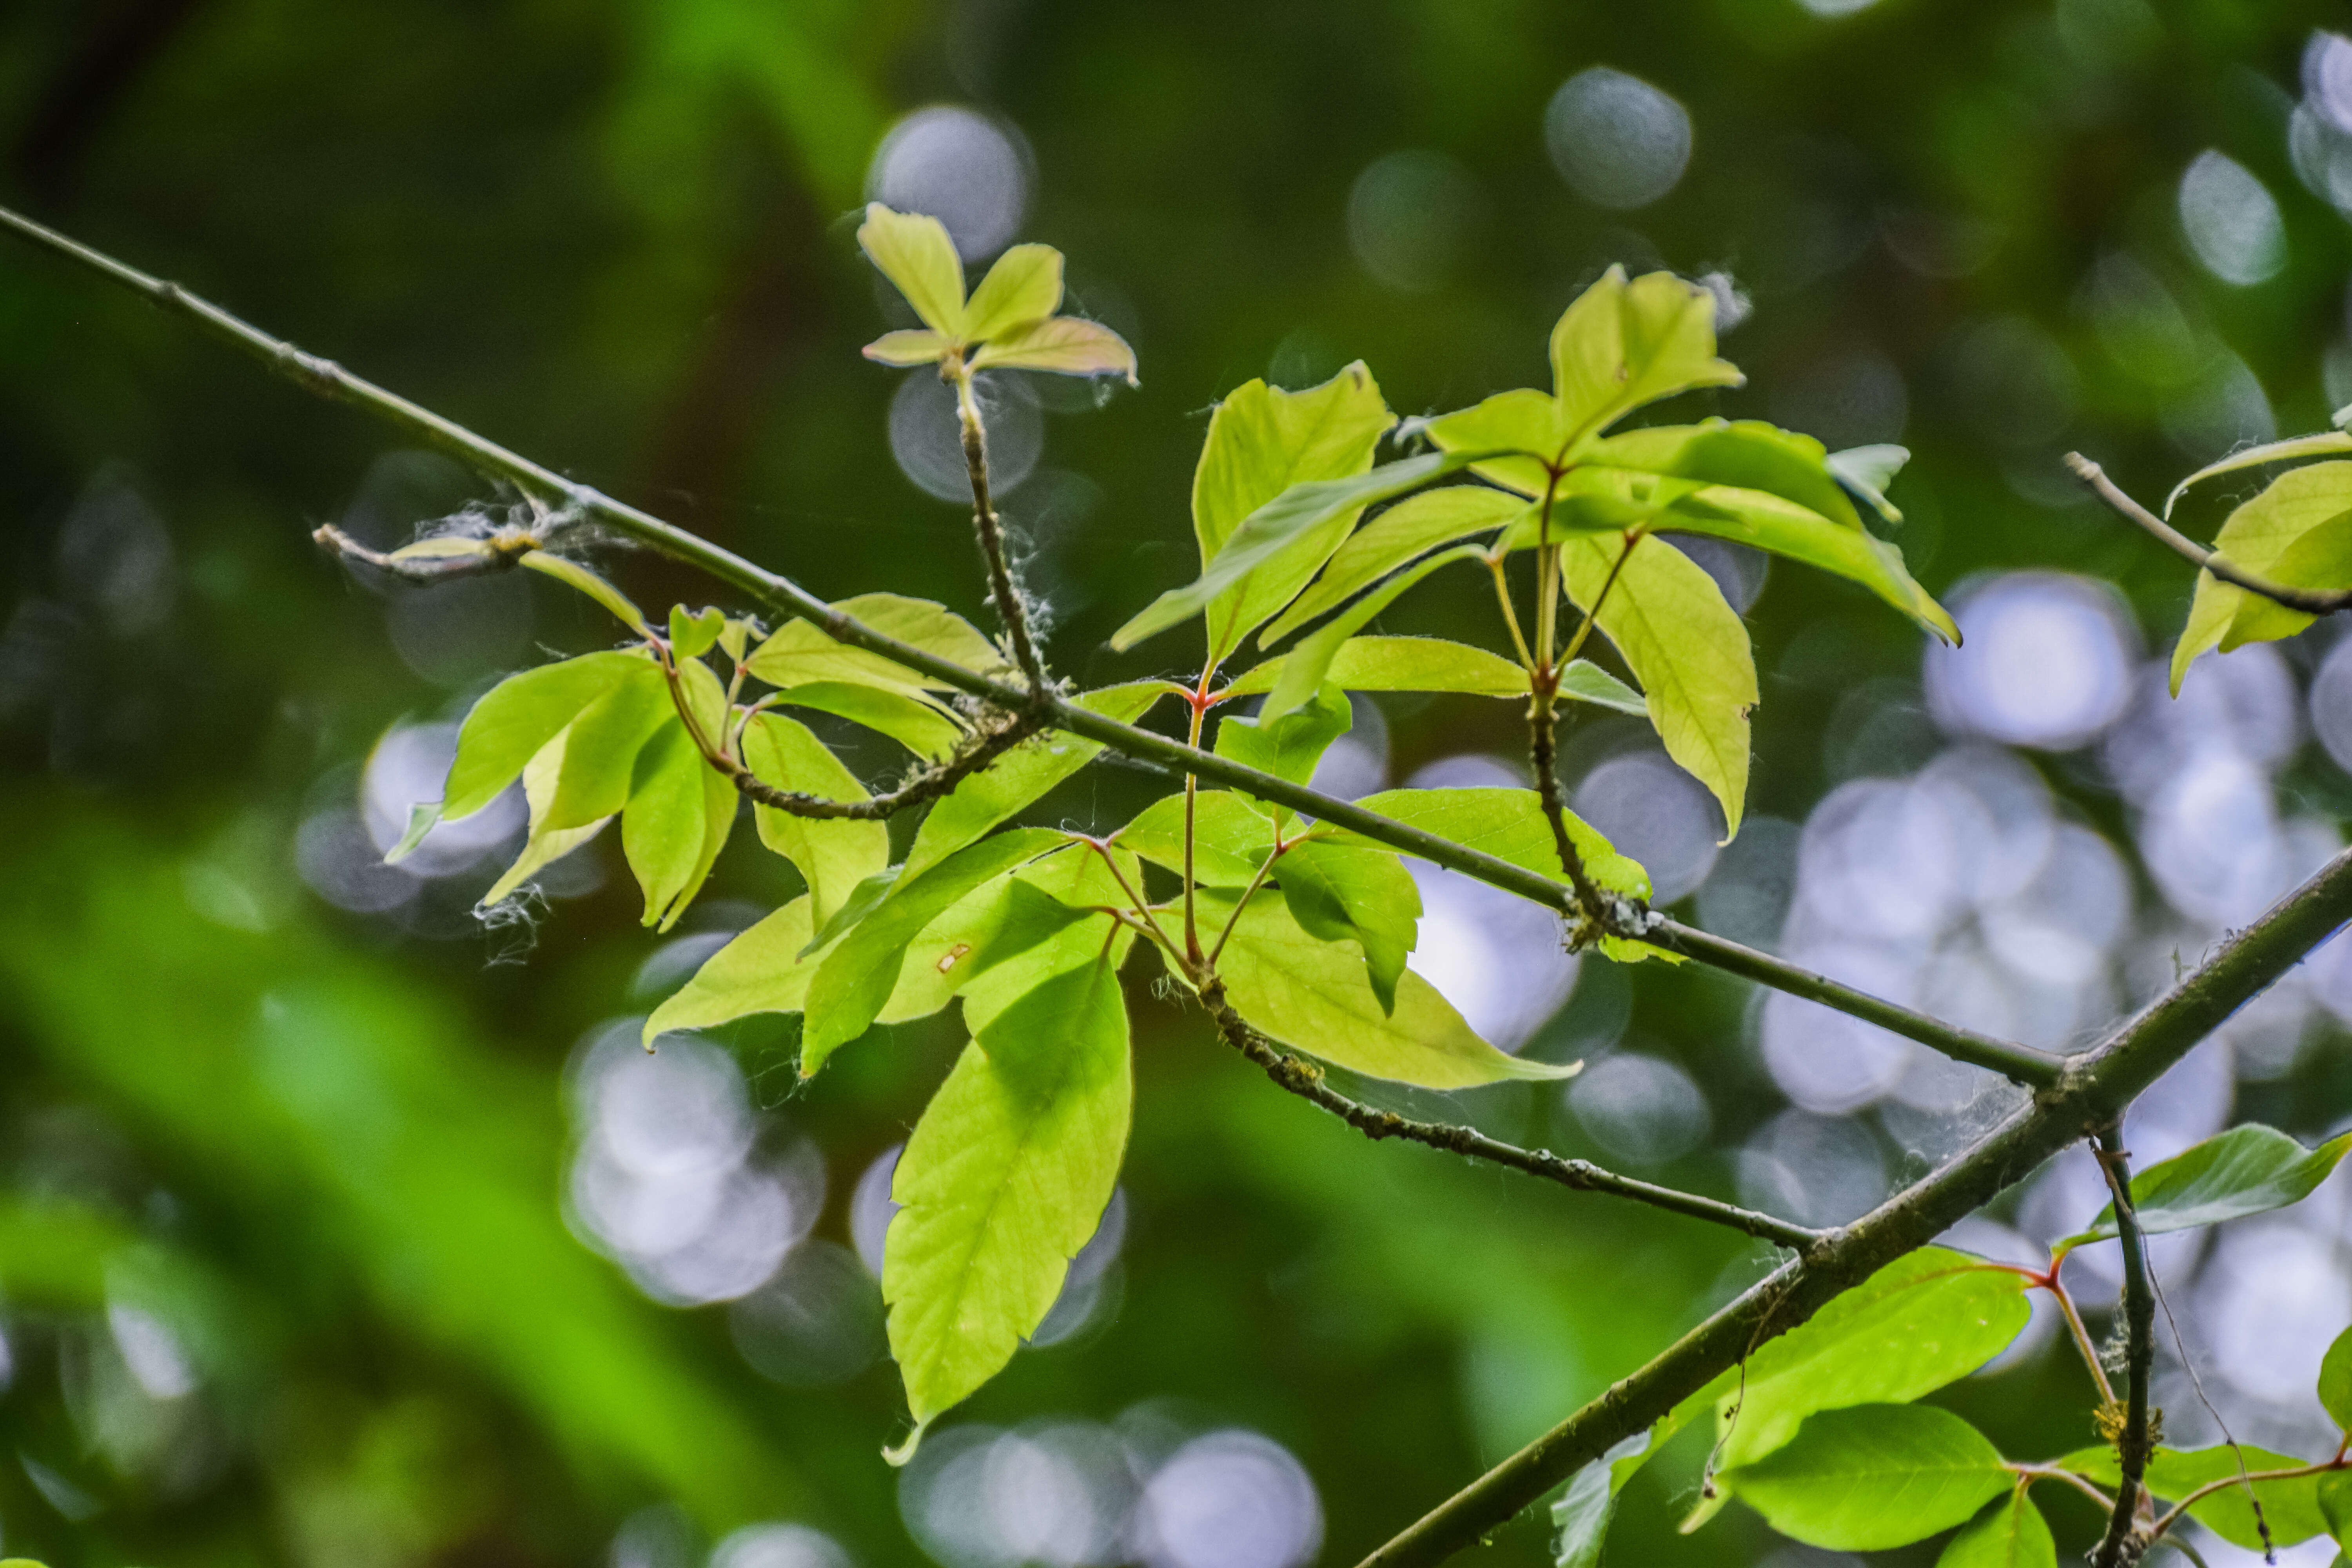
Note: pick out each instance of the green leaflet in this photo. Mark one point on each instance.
(915, 721)
(520, 716)
(1867, 471)
(2335, 1508)
(1306, 666)
(801, 653)
(1005, 1178)
(1524, 423)
(1291, 744)
(690, 634)
(2320, 559)
(915, 253)
(1687, 646)
(1402, 664)
(1020, 776)
(1872, 1477)
(1339, 893)
(1231, 837)
(1923, 1320)
(1623, 344)
(1065, 345)
(2291, 1506)
(545, 845)
(680, 812)
(1025, 285)
(1417, 524)
(1584, 681)
(2293, 449)
(1744, 453)
(2012, 1534)
(761, 971)
(2256, 536)
(856, 978)
(1510, 825)
(833, 855)
(1263, 441)
(573, 576)
(2335, 1381)
(601, 746)
(2246, 1171)
(1583, 1513)
(1306, 515)
(1316, 997)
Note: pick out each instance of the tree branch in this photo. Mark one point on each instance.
(783, 596)
(1304, 1080)
(2092, 1092)
(2310, 601)
(2133, 1442)
(978, 750)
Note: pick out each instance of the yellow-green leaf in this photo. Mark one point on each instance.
(1023, 287)
(1404, 663)
(909, 716)
(1874, 1477)
(516, 720)
(1065, 345)
(1305, 668)
(2294, 448)
(832, 854)
(545, 845)
(915, 253)
(2010, 1534)
(1417, 524)
(1622, 345)
(2256, 536)
(1341, 893)
(1231, 837)
(600, 752)
(906, 347)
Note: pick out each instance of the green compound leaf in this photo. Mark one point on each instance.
(1019, 777)
(543, 844)
(915, 253)
(2013, 1534)
(914, 720)
(601, 747)
(1416, 524)
(1404, 664)
(1303, 670)
(1921, 1322)
(1261, 443)
(1874, 1477)
(2336, 1382)
(1687, 647)
(2291, 1506)
(2327, 443)
(1005, 1178)
(2246, 1171)
(1510, 825)
(517, 717)
(833, 855)
(1290, 745)
(856, 979)
(1023, 286)
(1316, 997)
(1343, 894)
(2258, 536)
(1231, 837)
(571, 574)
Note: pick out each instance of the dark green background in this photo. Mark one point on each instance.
(618, 239)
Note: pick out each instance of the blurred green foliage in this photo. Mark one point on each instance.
(328, 1149)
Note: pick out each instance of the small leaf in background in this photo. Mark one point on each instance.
(1687, 647)
(1231, 837)
(910, 718)
(1261, 442)
(832, 854)
(1921, 1322)
(517, 717)
(1316, 997)
(1020, 776)
(2246, 1171)
(916, 254)
(761, 971)
(1023, 286)
(692, 636)
(1416, 524)
(1005, 1178)
(543, 844)
(1874, 1477)
(2336, 1382)
(2012, 1534)
(2291, 1506)
(1867, 471)
(2256, 535)
(423, 818)
(601, 747)
(2294, 448)
(1583, 1513)
(1406, 664)
(1364, 896)
(1303, 670)
(571, 574)
(1287, 747)
(856, 979)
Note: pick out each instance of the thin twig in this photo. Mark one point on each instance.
(2082, 1336)
(2172, 1515)
(1304, 1080)
(1543, 751)
(2057, 1473)
(498, 552)
(781, 594)
(2310, 601)
(1011, 609)
(2133, 1442)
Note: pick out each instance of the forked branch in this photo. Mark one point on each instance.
(2133, 1440)
(2310, 601)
